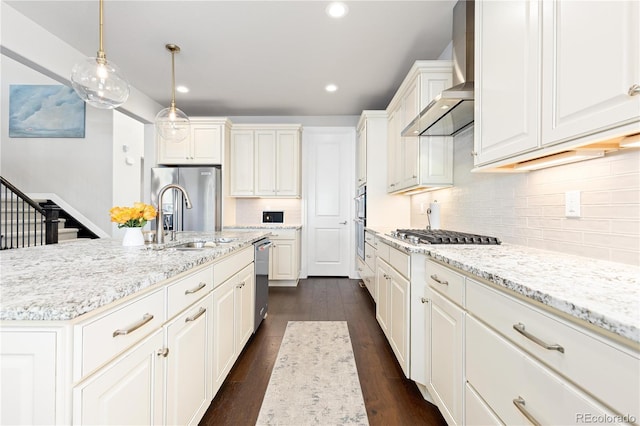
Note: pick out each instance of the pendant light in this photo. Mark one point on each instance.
(172, 124)
(99, 82)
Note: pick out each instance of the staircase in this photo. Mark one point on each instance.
(27, 223)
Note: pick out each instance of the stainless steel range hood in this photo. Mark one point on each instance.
(452, 110)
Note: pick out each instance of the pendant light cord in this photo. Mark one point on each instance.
(173, 79)
(101, 54)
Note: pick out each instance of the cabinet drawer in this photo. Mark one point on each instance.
(227, 267)
(187, 290)
(476, 411)
(594, 364)
(283, 234)
(117, 330)
(548, 398)
(370, 256)
(382, 251)
(369, 238)
(400, 261)
(445, 281)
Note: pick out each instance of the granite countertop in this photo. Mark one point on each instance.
(64, 281)
(604, 294)
(265, 226)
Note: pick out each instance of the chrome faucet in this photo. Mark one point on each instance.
(160, 218)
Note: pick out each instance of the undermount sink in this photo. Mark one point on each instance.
(193, 245)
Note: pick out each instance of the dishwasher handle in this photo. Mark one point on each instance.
(264, 246)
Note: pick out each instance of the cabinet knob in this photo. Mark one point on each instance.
(423, 300)
(634, 90)
(163, 352)
(474, 154)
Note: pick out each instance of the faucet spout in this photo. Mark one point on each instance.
(160, 219)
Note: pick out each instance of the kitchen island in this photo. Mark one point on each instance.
(91, 325)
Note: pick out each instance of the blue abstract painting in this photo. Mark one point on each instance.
(45, 111)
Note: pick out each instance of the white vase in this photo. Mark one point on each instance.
(133, 237)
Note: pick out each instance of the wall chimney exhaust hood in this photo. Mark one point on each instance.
(452, 110)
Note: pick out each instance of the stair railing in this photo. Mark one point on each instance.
(21, 218)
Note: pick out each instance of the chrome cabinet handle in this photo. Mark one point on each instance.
(240, 285)
(520, 405)
(196, 315)
(423, 300)
(163, 352)
(438, 280)
(519, 327)
(145, 319)
(634, 90)
(196, 289)
(343, 223)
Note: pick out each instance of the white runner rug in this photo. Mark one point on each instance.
(314, 380)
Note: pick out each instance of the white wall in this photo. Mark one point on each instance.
(80, 171)
(528, 209)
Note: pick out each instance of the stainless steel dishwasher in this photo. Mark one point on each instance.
(261, 262)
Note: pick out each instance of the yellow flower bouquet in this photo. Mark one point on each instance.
(132, 217)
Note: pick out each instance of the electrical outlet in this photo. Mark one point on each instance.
(572, 204)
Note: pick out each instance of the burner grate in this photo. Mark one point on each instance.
(439, 236)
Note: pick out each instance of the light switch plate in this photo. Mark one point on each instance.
(572, 204)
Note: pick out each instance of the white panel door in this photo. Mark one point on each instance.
(331, 167)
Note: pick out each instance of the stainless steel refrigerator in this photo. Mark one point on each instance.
(204, 186)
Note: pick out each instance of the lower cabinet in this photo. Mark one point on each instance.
(233, 303)
(447, 343)
(129, 390)
(392, 310)
(284, 261)
(189, 344)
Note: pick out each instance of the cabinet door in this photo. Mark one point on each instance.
(245, 306)
(265, 164)
(28, 371)
(282, 262)
(591, 57)
(507, 67)
(242, 159)
(361, 155)
(382, 290)
(288, 163)
(399, 318)
(224, 354)
(394, 153)
(174, 152)
(128, 391)
(206, 144)
(189, 363)
(447, 339)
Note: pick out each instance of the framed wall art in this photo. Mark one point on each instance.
(45, 111)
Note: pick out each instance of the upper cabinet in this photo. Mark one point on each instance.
(418, 163)
(553, 76)
(204, 146)
(265, 161)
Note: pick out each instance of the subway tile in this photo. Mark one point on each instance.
(618, 212)
(562, 235)
(625, 196)
(627, 242)
(582, 224)
(626, 227)
(629, 257)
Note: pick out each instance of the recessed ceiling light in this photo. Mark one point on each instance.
(337, 9)
(331, 88)
(182, 89)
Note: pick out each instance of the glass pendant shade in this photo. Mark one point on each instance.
(172, 124)
(100, 83)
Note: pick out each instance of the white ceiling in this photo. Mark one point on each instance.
(256, 57)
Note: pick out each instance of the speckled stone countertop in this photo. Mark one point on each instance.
(264, 226)
(604, 294)
(64, 281)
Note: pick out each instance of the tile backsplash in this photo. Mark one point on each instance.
(249, 210)
(529, 208)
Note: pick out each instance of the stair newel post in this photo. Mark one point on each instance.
(51, 223)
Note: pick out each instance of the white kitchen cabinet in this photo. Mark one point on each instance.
(265, 161)
(204, 146)
(590, 60)
(361, 154)
(523, 389)
(393, 303)
(566, 81)
(233, 321)
(447, 358)
(418, 163)
(189, 342)
(367, 275)
(284, 259)
(129, 390)
(25, 355)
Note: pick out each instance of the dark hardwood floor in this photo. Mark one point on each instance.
(390, 398)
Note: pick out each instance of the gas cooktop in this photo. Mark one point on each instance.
(441, 236)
